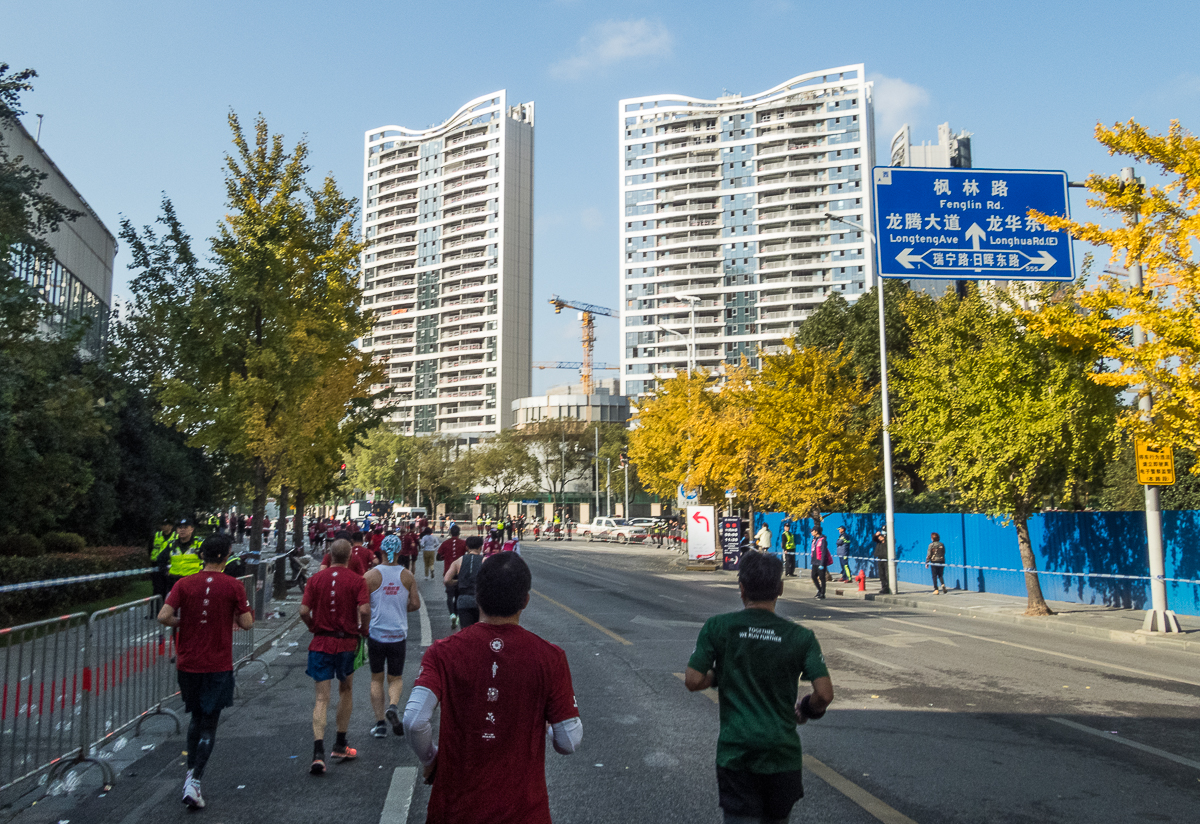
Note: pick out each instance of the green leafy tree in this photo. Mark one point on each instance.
(1007, 417)
(503, 468)
(561, 448)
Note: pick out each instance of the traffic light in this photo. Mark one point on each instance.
(477, 498)
(342, 472)
(624, 460)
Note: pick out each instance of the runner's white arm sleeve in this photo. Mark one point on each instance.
(418, 724)
(567, 735)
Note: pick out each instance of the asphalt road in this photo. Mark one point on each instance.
(936, 718)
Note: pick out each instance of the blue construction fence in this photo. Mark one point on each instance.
(980, 548)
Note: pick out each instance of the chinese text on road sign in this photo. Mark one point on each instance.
(1155, 464)
(970, 224)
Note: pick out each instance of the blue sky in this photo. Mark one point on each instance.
(135, 94)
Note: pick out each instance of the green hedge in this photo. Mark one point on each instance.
(20, 546)
(20, 607)
(61, 542)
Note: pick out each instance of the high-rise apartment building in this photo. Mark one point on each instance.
(448, 268)
(724, 238)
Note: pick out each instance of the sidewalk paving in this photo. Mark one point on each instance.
(1092, 620)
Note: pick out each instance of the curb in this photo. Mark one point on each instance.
(1047, 624)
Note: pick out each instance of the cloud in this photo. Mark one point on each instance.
(611, 42)
(896, 102)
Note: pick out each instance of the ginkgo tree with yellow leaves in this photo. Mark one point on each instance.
(794, 436)
(1160, 226)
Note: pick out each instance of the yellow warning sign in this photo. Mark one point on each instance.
(1155, 464)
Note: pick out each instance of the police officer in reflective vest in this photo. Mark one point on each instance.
(185, 552)
(789, 553)
(160, 557)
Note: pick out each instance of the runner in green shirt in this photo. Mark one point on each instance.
(756, 658)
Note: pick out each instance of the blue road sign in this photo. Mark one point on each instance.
(970, 224)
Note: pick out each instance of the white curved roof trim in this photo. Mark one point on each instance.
(467, 112)
(788, 87)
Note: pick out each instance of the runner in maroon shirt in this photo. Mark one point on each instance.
(336, 608)
(451, 549)
(204, 607)
(410, 545)
(499, 686)
(361, 558)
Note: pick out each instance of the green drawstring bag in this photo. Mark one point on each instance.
(360, 657)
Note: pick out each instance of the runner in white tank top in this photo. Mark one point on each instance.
(393, 595)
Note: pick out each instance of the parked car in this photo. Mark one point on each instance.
(613, 529)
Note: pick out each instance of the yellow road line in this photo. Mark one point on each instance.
(710, 693)
(585, 619)
(878, 809)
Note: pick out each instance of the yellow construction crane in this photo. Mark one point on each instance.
(587, 315)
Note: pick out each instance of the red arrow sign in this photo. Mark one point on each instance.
(697, 517)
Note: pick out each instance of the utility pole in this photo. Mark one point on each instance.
(596, 465)
(1158, 618)
(418, 489)
(625, 463)
(608, 488)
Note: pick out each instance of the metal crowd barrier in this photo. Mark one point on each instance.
(74, 683)
(129, 671)
(43, 697)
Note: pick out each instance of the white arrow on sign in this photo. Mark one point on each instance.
(976, 235)
(1047, 261)
(907, 260)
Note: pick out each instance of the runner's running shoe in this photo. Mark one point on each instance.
(344, 753)
(191, 792)
(318, 766)
(393, 717)
(380, 729)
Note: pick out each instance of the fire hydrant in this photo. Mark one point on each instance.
(861, 577)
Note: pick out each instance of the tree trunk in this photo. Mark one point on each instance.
(281, 546)
(1033, 587)
(281, 532)
(298, 530)
(258, 512)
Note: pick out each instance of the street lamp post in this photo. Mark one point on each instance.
(888, 485)
(687, 345)
(1158, 617)
(608, 488)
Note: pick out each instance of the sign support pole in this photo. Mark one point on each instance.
(1158, 618)
(889, 495)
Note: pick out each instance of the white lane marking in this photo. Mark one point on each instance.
(577, 571)
(399, 797)
(426, 629)
(845, 651)
(662, 623)
(1029, 648)
(1178, 759)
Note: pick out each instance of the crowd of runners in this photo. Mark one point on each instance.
(504, 693)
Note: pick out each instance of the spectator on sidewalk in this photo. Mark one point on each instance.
(203, 608)
(881, 560)
(504, 692)
(758, 657)
(789, 553)
(452, 549)
(935, 559)
(763, 538)
(844, 548)
(393, 591)
(336, 608)
(821, 561)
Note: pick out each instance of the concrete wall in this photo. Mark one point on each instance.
(84, 246)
